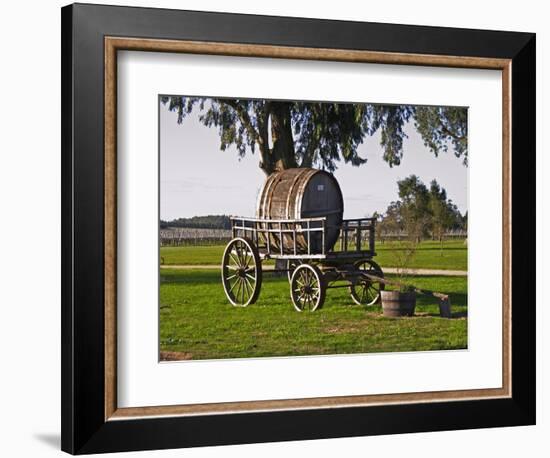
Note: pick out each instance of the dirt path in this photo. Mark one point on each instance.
(388, 270)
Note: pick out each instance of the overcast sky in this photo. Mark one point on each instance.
(196, 178)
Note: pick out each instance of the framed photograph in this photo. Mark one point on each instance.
(282, 228)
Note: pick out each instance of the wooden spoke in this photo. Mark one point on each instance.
(236, 263)
(238, 254)
(245, 291)
(249, 287)
(234, 284)
(239, 281)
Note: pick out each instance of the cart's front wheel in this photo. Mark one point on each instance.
(241, 272)
(366, 291)
(307, 288)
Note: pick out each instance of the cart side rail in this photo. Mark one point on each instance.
(357, 236)
(262, 230)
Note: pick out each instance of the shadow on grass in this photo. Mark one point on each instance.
(457, 299)
(454, 315)
(191, 277)
(212, 276)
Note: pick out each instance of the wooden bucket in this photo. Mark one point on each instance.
(396, 303)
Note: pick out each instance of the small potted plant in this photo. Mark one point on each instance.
(409, 218)
(401, 301)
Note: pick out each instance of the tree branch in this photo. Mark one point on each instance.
(244, 118)
(307, 160)
(449, 133)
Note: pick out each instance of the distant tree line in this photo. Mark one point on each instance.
(199, 222)
(180, 236)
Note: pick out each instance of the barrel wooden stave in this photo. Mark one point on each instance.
(396, 303)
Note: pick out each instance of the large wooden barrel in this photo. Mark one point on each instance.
(302, 193)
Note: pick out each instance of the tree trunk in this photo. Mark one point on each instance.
(266, 163)
(283, 154)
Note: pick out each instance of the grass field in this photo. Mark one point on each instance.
(429, 255)
(197, 321)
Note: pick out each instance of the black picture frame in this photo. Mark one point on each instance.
(84, 428)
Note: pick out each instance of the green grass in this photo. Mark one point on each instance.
(453, 256)
(197, 320)
(193, 255)
(430, 255)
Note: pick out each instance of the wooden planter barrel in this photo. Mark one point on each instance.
(302, 193)
(396, 303)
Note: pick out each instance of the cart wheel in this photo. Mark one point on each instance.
(241, 272)
(291, 265)
(365, 291)
(307, 288)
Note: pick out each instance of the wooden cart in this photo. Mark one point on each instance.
(312, 268)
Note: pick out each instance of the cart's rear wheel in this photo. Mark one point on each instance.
(307, 288)
(241, 272)
(365, 291)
